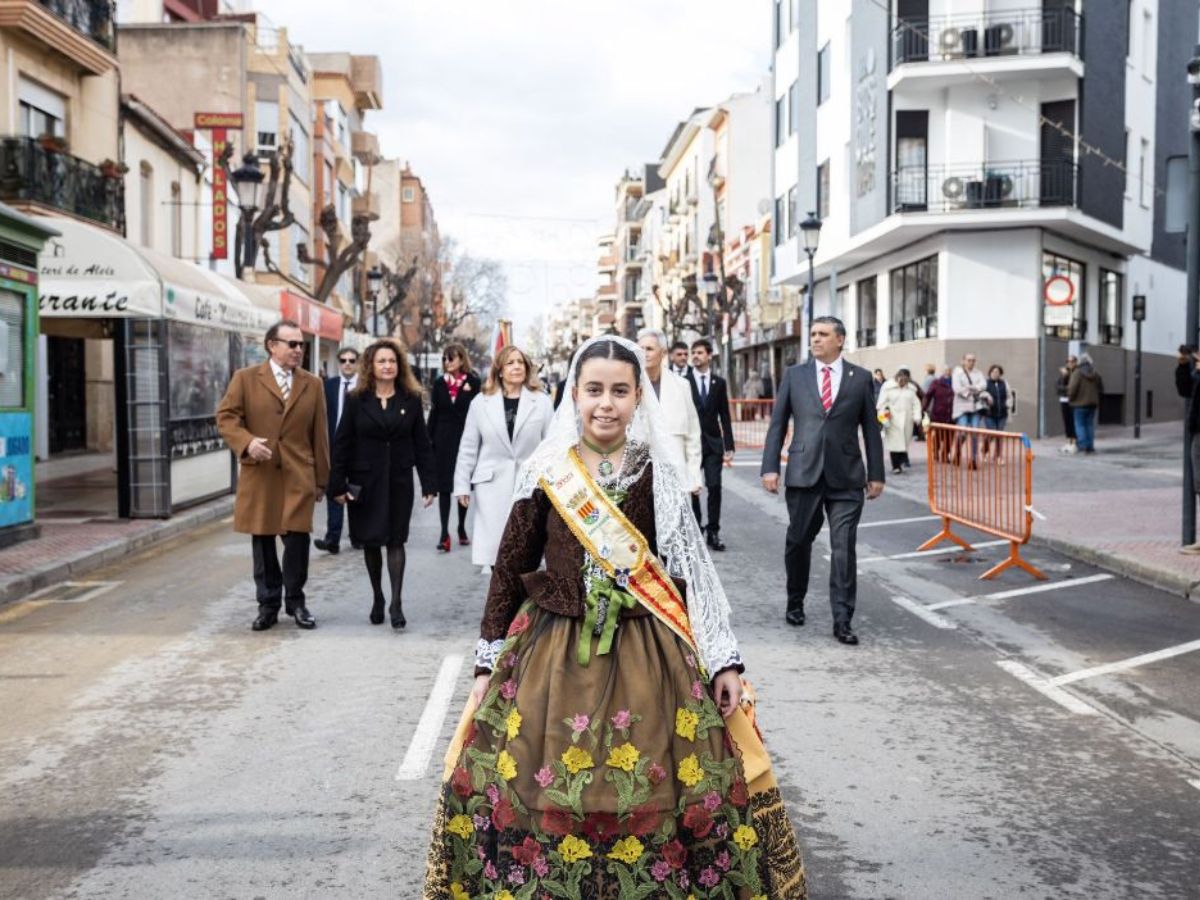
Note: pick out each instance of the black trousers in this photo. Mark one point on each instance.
(807, 508)
(334, 519)
(273, 585)
(710, 464)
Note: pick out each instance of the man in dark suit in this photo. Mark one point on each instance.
(679, 359)
(716, 435)
(336, 389)
(829, 401)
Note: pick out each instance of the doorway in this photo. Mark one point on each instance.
(66, 395)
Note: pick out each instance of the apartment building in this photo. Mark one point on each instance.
(990, 177)
(604, 310)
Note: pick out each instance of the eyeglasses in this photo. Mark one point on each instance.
(347, 360)
(292, 345)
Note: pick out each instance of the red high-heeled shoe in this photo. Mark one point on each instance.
(444, 545)
(464, 541)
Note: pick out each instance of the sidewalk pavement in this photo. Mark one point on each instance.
(1120, 508)
(68, 549)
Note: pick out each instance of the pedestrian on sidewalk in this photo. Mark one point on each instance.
(716, 436)
(449, 401)
(336, 389)
(751, 391)
(1002, 403)
(939, 408)
(1084, 390)
(381, 439)
(830, 401)
(970, 402)
(898, 409)
(1064, 404)
(877, 380)
(273, 419)
(1187, 384)
(503, 427)
(679, 412)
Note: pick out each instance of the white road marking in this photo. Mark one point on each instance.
(1046, 688)
(923, 612)
(953, 548)
(97, 588)
(227, 520)
(1194, 782)
(1039, 588)
(429, 726)
(862, 525)
(1122, 665)
(946, 604)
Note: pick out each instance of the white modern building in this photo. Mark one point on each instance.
(991, 177)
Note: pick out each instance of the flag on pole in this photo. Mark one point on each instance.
(501, 336)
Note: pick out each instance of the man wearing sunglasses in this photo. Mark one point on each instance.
(336, 389)
(273, 419)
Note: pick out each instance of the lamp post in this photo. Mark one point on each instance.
(712, 285)
(1139, 316)
(374, 286)
(810, 232)
(248, 185)
(1192, 328)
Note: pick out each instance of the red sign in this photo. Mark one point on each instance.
(220, 226)
(314, 318)
(204, 120)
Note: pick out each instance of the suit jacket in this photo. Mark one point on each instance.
(333, 387)
(683, 424)
(276, 496)
(716, 426)
(446, 421)
(825, 443)
(488, 461)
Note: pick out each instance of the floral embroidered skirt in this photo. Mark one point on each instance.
(612, 780)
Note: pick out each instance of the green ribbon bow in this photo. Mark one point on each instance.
(617, 600)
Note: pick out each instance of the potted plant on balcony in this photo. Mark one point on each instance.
(110, 168)
(52, 143)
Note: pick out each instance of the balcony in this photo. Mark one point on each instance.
(961, 46)
(82, 31)
(607, 263)
(985, 186)
(366, 205)
(364, 146)
(366, 78)
(35, 173)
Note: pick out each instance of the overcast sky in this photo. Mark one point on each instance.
(520, 116)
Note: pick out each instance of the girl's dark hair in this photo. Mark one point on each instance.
(609, 350)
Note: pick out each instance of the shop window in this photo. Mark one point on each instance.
(914, 301)
(199, 370)
(1068, 322)
(1112, 290)
(12, 350)
(865, 334)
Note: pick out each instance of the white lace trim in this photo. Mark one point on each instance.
(486, 653)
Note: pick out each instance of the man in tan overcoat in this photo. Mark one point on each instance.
(273, 419)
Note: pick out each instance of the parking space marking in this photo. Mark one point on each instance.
(934, 552)
(429, 726)
(1049, 586)
(74, 591)
(1045, 687)
(1125, 664)
(923, 612)
(862, 525)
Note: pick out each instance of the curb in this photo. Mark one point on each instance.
(26, 583)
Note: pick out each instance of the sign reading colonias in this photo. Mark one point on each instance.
(218, 123)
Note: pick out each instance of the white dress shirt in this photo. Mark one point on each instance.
(837, 367)
(281, 375)
(346, 385)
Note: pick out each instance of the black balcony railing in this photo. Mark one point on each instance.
(95, 18)
(34, 171)
(915, 329)
(865, 337)
(1000, 185)
(998, 33)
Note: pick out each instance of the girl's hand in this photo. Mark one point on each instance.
(428, 499)
(464, 500)
(341, 498)
(727, 691)
(479, 689)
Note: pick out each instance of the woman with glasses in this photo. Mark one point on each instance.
(451, 397)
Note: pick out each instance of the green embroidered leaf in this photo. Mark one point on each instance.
(628, 888)
(558, 798)
(527, 892)
(474, 866)
(556, 888)
(473, 804)
(674, 892)
(735, 877)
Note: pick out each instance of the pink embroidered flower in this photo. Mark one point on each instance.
(493, 793)
(509, 661)
(697, 690)
(489, 871)
(690, 660)
(508, 690)
(660, 870)
(482, 823)
(516, 875)
(709, 877)
(712, 800)
(580, 722)
(519, 624)
(723, 861)
(481, 852)
(681, 879)
(622, 719)
(656, 773)
(722, 830)
(544, 777)
(541, 868)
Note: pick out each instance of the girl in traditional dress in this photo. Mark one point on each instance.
(607, 751)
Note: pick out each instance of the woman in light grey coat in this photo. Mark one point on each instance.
(504, 426)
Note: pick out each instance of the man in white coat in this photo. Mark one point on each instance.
(675, 397)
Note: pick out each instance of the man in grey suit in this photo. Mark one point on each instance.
(829, 400)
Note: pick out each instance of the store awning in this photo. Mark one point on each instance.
(87, 272)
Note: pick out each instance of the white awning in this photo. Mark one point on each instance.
(88, 272)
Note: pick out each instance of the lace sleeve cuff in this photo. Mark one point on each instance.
(486, 652)
(731, 659)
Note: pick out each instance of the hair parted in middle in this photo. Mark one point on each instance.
(406, 381)
(609, 350)
(496, 373)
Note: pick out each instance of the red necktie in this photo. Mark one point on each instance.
(827, 388)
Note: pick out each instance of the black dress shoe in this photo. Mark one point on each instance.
(795, 616)
(715, 543)
(377, 612)
(845, 634)
(304, 619)
(397, 614)
(264, 621)
(327, 546)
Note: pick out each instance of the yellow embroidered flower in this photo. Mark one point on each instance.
(503, 895)
(572, 849)
(577, 759)
(462, 826)
(627, 850)
(690, 772)
(745, 836)
(624, 757)
(457, 892)
(685, 723)
(506, 766)
(513, 724)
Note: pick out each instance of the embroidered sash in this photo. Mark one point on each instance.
(617, 547)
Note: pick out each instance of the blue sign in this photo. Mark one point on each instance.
(16, 468)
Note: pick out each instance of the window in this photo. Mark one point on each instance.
(865, 299)
(12, 350)
(1112, 289)
(336, 122)
(780, 223)
(1068, 323)
(299, 236)
(912, 129)
(146, 206)
(301, 153)
(1128, 164)
(343, 202)
(199, 370)
(793, 106)
(1147, 44)
(823, 191)
(1144, 189)
(839, 305)
(777, 21)
(1128, 28)
(408, 195)
(780, 121)
(266, 124)
(793, 217)
(176, 220)
(823, 74)
(42, 111)
(914, 305)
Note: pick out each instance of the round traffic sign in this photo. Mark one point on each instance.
(1059, 291)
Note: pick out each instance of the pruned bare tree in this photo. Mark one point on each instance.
(340, 259)
(683, 309)
(474, 288)
(275, 214)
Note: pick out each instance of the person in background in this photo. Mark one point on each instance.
(679, 359)
(679, 412)
(1187, 384)
(931, 375)
(503, 427)
(716, 435)
(1064, 403)
(877, 380)
(898, 407)
(970, 400)
(939, 407)
(1084, 390)
(451, 397)
(336, 389)
(1000, 406)
(381, 439)
(751, 390)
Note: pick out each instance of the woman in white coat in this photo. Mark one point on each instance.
(899, 407)
(504, 426)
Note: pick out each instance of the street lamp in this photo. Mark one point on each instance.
(248, 185)
(810, 231)
(1139, 316)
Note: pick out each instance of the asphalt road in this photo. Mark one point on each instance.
(152, 746)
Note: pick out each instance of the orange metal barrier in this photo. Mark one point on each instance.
(751, 418)
(982, 479)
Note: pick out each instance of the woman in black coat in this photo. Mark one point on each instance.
(451, 397)
(380, 439)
